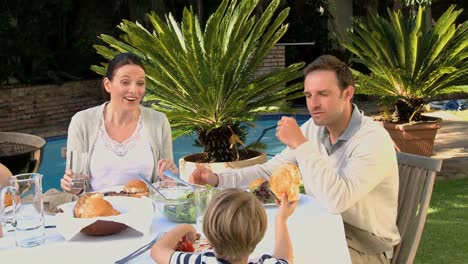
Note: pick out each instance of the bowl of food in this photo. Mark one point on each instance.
(177, 202)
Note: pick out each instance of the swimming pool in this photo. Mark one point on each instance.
(53, 164)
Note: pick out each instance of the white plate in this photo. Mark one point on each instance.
(9, 209)
(202, 245)
(118, 188)
(269, 205)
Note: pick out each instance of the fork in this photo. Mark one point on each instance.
(140, 250)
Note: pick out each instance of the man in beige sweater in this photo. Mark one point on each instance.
(347, 162)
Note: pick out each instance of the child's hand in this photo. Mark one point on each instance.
(162, 251)
(286, 209)
(186, 241)
(185, 245)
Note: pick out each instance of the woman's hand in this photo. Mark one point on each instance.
(66, 182)
(166, 164)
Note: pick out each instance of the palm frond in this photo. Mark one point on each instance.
(408, 59)
(204, 78)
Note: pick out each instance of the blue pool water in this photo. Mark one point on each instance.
(53, 164)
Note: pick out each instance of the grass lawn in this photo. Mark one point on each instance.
(445, 235)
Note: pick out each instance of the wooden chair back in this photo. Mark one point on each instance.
(417, 175)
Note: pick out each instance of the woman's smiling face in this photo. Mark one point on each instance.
(127, 86)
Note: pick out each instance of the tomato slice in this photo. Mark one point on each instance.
(189, 247)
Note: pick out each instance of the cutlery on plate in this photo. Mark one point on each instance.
(140, 250)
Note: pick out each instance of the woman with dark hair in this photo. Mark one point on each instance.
(121, 137)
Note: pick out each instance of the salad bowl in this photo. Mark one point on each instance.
(178, 204)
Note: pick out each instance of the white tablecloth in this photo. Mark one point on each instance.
(317, 236)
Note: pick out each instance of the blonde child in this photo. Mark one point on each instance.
(234, 223)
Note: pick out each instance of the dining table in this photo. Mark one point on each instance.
(317, 237)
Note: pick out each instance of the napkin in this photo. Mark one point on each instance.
(53, 198)
(136, 213)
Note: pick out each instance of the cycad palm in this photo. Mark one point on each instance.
(204, 79)
(409, 60)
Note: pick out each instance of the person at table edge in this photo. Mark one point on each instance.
(122, 138)
(347, 162)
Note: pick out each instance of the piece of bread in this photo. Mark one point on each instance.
(286, 179)
(93, 205)
(8, 201)
(135, 186)
(256, 183)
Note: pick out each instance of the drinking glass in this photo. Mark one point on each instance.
(78, 165)
(203, 197)
(26, 214)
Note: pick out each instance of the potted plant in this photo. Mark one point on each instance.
(204, 78)
(409, 62)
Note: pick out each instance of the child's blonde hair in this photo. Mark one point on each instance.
(234, 223)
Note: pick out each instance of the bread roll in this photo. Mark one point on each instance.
(93, 205)
(8, 201)
(286, 179)
(135, 186)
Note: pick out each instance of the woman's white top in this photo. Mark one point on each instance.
(114, 163)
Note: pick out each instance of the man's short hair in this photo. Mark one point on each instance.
(234, 223)
(332, 63)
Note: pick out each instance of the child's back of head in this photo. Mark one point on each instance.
(235, 222)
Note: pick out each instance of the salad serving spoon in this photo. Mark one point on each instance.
(176, 178)
(143, 178)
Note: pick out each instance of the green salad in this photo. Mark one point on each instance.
(184, 210)
(301, 188)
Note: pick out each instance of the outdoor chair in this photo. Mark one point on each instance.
(417, 175)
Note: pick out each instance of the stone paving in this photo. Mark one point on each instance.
(451, 142)
(451, 145)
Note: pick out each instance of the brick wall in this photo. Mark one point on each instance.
(276, 59)
(45, 110)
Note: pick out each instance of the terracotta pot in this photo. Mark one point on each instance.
(187, 167)
(417, 138)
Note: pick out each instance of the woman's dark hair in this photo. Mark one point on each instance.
(122, 60)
